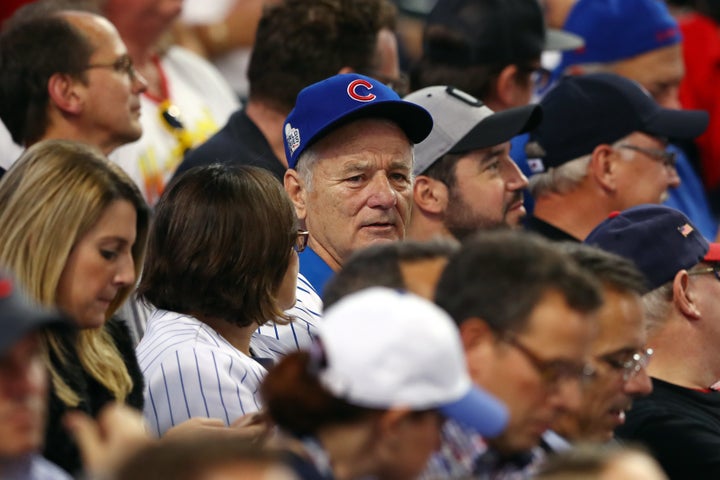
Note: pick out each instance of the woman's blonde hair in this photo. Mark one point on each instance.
(51, 197)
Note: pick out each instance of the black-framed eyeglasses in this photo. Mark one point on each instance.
(552, 372)
(714, 269)
(301, 240)
(629, 366)
(539, 75)
(669, 159)
(123, 64)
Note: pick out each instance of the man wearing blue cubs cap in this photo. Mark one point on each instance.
(349, 146)
(680, 421)
(601, 147)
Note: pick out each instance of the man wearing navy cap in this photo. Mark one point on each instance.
(488, 48)
(640, 40)
(349, 146)
(601, 147)
(23, 387)
(680, 421)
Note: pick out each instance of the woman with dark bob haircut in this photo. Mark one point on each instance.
(221, 261)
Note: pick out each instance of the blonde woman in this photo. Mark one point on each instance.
(74, 228)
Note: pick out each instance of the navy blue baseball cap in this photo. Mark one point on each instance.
(331, 103)
(618, 29)
(492, 31)
(19, 316)
(660, 240)
(585, 111)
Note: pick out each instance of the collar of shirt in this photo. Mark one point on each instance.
(315, 270)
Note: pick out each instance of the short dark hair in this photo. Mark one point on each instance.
(500, 276)
(220, 245)
(33, 47)
(298, 403)
(379, 266)
(301, 42)
(611, 270)
(191, 458)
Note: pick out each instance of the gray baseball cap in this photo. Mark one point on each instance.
(462, 123)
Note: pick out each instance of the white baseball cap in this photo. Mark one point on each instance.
(384, 348)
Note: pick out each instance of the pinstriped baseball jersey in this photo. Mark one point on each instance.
(192, 371)
(307, 314)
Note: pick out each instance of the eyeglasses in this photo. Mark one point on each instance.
(301, 240)
(669, 159)
(715, 269)
(629, 366)
(552, 372)
(123, 64)
(539, 76)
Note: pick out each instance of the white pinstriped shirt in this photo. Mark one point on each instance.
(192, 371)
(307, 314)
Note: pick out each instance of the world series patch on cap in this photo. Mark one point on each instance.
(338, 100)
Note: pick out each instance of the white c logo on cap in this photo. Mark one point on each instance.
(352, 87)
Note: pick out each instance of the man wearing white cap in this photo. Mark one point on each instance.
(359, 404)
(465, 179)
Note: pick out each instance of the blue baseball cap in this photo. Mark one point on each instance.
(585, 111)
(618, 29)
(660, 240)
(331, 103)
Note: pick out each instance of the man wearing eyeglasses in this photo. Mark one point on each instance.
(618, 353)
(680, 421)
(601, 147)
(525, 312)
(67, 75)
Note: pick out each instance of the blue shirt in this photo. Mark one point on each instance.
(315, 270)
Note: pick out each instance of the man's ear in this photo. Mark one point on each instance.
(508, 92)
(478, 341)
(603, 167)
(295, 189)
(684, 296)
(430, 195)
(65, 92)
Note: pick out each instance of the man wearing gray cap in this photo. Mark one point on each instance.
(23, 387)
(465, 179)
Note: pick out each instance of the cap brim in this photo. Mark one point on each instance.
(682, 124)
(480, 411)
(412, 119)
(500, 127)
(713, 254)
(559, 40)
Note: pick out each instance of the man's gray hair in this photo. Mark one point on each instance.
(657, 304)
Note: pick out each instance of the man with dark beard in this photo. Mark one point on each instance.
(465, 179)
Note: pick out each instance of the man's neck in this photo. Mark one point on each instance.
(270, 123)
(71, 132)
(573, 213)
(425, 227)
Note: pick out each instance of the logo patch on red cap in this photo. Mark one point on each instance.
(354, 93)
(6, 288)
